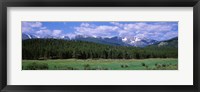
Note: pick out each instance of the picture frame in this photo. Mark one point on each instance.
(103, 3)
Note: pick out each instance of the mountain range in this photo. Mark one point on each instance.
(116, 41)
(173, 42)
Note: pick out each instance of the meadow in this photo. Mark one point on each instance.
(101, 64)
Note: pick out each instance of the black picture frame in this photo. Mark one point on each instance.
(100, 3)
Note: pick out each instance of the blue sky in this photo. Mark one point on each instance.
(151, 30)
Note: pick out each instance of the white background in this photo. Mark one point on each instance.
(182, 76)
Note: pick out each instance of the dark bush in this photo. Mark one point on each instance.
(143, 64)
(122, 66)
(37, 66)
(158, 66)
(163, 65)
(71, 68)
(126, 65)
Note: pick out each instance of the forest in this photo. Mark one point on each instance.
(42, 49)
(39, 49)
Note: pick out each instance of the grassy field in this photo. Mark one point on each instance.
(101, 64)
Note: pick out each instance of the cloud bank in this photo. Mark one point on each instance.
(37, 29)
(151, 30)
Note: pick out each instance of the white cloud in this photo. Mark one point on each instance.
(43, 33)
(56, 33)
(36, 24)
(156, 30)
(117, 24)
(49, 33)
(91, 30)
(70, 35)
(37, 28)
(151, 30)
(85, 24)
(28, 26)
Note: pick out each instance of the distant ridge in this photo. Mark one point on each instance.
(173, 42)
(115, 41)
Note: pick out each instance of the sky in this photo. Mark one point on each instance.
(151, 30)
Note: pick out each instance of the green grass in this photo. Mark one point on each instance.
(101, 64)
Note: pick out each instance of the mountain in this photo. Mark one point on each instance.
(115, 41)
(118, 41)
(138, 42)
(173, 42)
(65, 38)
(28, 36)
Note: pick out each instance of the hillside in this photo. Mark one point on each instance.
(65, 49)
(167, 43)
(114, 41)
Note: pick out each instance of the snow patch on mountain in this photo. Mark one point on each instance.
(115, 40)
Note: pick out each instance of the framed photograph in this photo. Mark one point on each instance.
(87, 45)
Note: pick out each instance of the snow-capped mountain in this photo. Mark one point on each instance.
(173, 42)
(65, 37)
(138, 42)
(116, 41)
(28, 36)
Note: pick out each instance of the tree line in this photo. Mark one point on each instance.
(34, 49)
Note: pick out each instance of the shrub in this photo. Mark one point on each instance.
(37, 66)
(158, 66)
(143, 64)
(126, 65)
(87, 67)
(71, 68)
(163, 65)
